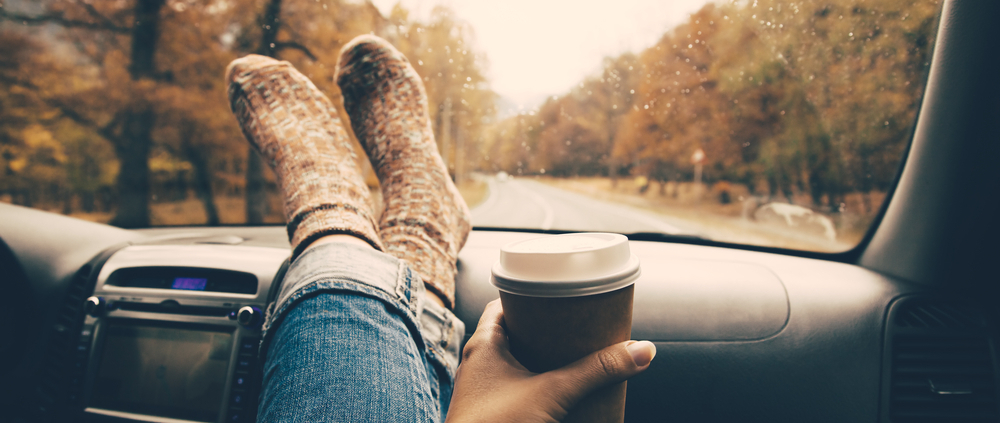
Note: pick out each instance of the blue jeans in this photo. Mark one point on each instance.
(351, 339)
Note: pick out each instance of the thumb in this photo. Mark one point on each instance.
(611, 365)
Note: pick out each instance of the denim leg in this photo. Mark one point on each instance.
(344, 358)
(350, 338)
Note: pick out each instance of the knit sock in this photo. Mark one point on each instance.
(425, 221)
(299, 134)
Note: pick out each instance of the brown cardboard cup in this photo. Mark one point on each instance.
(564, 297)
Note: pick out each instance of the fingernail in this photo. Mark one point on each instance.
(642, 352)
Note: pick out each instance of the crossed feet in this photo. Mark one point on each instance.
(299, 134)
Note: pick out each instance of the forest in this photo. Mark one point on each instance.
(110, 108)
(783, 97)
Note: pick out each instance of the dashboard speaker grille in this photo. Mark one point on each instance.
(942, 366)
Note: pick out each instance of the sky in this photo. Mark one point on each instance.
(539, 48)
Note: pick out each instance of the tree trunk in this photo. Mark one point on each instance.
(256, 195)
(203, 188)
(132, 147)
(133, 174)
(202, 178)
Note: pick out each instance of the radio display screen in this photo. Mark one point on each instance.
(192, 284)
(184, 278)
(163, 371)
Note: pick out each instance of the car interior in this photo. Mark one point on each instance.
(901, 328)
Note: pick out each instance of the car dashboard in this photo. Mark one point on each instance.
(741, 335)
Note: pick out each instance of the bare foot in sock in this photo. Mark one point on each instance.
(298, 133)
(426, 221)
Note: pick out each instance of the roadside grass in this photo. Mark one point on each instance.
(232, 210)
(190, 211)
(712, 219)
(474, 190)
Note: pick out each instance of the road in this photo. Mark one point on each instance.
(524, 203)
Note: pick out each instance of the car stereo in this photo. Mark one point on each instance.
(172, 333)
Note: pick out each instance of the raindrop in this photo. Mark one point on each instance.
(886, 123)
(420, 62)
(645, 107)
(679, 72)
(690, 46)
(614, 106)
(468, 78)
(631, 91)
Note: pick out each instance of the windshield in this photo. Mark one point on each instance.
(764, 122)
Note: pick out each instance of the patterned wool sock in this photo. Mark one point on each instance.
(425, 221)
(299, 134)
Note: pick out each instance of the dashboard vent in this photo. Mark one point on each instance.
(62, 360)
(942, 366)
(938, 314)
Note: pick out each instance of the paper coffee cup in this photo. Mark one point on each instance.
(564, 297)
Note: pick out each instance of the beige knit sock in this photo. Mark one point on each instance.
(297, 131)
(426, 221)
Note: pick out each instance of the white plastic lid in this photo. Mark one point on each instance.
(569, 265)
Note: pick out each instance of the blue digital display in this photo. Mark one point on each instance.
(190, 284)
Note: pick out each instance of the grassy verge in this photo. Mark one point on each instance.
(473, 190)
(705, 215)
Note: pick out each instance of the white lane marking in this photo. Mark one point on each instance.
(488, 204)
(550, 215)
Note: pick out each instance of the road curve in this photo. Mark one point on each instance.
(524, 203)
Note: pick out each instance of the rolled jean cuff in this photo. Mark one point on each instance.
(342, 267)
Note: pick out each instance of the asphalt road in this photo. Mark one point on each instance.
(523, 203)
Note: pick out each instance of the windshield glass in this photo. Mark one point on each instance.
(766, 122)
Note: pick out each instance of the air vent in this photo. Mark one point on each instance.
(942, 368)
(938, 314)
(59, 379)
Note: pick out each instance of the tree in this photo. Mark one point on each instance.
(130, 127)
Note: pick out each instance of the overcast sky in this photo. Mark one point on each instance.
(538, 48)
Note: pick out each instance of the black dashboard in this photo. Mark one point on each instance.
(741, 335)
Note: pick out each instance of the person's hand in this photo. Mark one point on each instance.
(491, 386)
